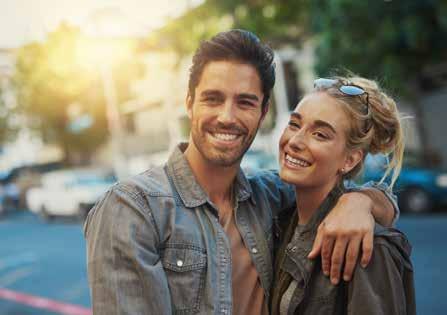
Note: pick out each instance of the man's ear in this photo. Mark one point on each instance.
(352, 159)
(189, 104)
(265, 110)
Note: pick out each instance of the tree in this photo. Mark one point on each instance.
(274, 21)
(400, 43)
(392, 40)
(56, 84)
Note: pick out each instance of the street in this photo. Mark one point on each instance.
(42, 265)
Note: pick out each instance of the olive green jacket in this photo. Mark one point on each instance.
(385, 286)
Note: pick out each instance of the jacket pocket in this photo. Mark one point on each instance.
(185, 268)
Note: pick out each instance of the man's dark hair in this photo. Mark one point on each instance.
(238, 45)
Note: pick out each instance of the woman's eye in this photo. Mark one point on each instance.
(321, 135)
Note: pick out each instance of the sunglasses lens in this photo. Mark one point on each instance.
(324, 83)
(351, 90)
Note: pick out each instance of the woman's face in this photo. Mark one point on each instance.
(313, 145)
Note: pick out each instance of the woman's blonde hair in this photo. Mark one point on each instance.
(375, 123)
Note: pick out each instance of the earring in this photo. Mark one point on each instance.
(342, 170)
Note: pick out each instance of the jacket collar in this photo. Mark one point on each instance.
(301, 244)
(189, 190)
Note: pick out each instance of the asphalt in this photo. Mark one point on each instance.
(47, 260)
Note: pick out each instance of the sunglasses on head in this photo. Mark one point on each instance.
(346, 89)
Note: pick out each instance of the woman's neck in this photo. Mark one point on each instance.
(309, 200)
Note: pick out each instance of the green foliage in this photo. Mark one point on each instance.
(4, 128)
(393, 41)
(53, 76)
(274, 21)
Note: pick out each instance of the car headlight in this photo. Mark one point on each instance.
(441, 180)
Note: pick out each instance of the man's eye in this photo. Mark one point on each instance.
(246, 103)
(294, 124)
(211, 99)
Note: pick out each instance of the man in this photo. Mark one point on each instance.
(195, 235)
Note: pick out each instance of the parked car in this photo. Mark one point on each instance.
(420, 187)
(68, 192)
(15, 182)
(9, 194)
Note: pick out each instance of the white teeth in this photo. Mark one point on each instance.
(225, 136)
(297, 161)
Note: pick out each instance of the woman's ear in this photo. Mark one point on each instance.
(352, 159)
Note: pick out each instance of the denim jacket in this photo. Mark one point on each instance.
(155, 245)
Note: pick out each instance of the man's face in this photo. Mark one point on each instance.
(226, 111)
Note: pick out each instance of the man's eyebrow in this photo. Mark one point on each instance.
(210, 93)
(248, 96)
(295, 115)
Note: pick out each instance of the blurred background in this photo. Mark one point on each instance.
(92, 91)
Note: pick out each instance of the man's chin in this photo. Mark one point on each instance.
(224, 160)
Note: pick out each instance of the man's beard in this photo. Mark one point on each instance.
(221, 156)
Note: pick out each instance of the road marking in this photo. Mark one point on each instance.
(44, 303)
(17, 260)
(14, 276)
(75, 291)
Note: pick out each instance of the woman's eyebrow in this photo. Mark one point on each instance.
(317, 123)
(322, 123)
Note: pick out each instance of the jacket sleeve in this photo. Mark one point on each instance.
(124, 268)
(380, 288)
(384, 188)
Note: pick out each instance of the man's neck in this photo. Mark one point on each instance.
(216, 180)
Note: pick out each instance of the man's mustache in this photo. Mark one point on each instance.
(225, 128)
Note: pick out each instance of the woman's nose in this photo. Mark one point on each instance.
(298, 140)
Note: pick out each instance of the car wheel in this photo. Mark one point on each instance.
(82, 214)
(415, 200)
(44, 214)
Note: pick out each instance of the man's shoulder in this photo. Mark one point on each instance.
(152, 182)
(137, 194)
(141, 190)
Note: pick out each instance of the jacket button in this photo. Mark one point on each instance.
(254, 250)
(179, 263)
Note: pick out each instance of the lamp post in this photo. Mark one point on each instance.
(105, 28)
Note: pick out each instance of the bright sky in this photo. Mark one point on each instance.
(22, 21)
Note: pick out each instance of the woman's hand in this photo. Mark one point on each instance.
(347, 227)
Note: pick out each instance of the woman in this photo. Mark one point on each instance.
(326, 141)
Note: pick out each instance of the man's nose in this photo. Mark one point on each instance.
(227, 113)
